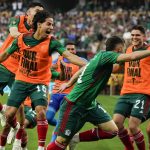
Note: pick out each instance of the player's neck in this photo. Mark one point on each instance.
(38, 36)
(29, 22)
(138, 46)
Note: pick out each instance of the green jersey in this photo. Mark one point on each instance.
(93, 79)
(55, 74)
(55, 45)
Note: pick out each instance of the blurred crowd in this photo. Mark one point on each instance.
(88, 25)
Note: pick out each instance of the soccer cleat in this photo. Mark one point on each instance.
(17, 145)
(12, 134)
(41, 148)
(2, 116)
(3, 120)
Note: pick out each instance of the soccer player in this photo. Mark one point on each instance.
(56, 98)
(21, 24)
(30, 116)
(80, 106)
(18, 25)
(8, 68)
(135, 93)
(33, 74)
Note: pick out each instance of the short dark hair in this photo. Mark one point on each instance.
(112, 42)
(70, 43)
(40, 17)
(34, 4)
(139, 27)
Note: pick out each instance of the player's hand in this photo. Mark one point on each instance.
(62, 87)
(62, 65)
(114, 77)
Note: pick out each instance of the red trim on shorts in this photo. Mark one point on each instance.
(70, 102)
(66, 116)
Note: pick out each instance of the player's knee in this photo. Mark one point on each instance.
(21, 109)
(114, 133)
(41, 115)
(118, 123)
(119, 120)
(133, 128)
(115, 129)
(49, 116)
(62, 140)
(41, 112)
(10, 113)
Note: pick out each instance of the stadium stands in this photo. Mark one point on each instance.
(88, 25)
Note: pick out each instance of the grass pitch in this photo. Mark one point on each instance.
(110, 144)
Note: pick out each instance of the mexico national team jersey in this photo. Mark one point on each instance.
(136, 74)
(12, 62)
(69, 69)
(93, 79)
(35, 61)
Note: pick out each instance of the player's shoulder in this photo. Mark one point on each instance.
(104, 55)
(146, 45)
(104, 52)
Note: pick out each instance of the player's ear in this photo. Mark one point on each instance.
(39, 25)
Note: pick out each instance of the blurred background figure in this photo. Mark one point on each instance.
(87, 23)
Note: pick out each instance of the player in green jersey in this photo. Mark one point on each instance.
(33, 75)
(80, 106)
(30, 117)
(17, 25)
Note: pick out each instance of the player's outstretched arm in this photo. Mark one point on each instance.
(62, 75)
(4, 56)
(71, 81)
(133, 56)
(74, 58)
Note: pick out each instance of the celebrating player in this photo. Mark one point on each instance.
(135, 93)
(33, 75)
(80, 105)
